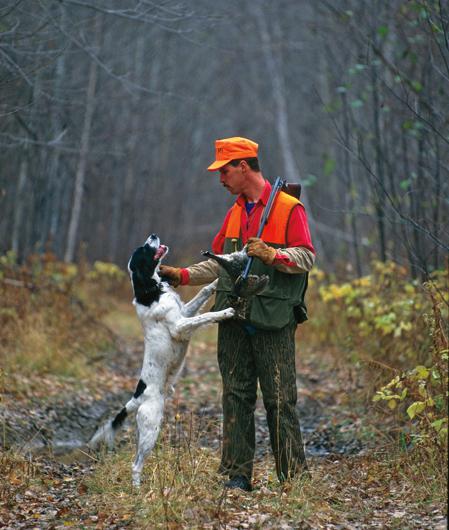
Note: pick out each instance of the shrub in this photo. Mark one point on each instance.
(399, 325)
(381, 316)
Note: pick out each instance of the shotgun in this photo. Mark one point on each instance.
(275, 189)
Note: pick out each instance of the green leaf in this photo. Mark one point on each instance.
(415, 408)
(442, 435)
(439, 402)
(356, 103)
(310, 180)
(435, 28)
(407, 124)
(417, 86)
(438, 424)
(392, 404)
(329, 166)
(382, 31)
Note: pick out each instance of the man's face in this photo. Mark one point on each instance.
(233, 178)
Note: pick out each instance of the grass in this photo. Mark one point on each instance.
(50, 330)
(182, 490)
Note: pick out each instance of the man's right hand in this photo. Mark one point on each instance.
(170, 274)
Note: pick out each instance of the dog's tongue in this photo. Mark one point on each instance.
(160, 251)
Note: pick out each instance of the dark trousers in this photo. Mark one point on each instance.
(244, 358)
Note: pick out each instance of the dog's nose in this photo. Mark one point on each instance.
(153, 236)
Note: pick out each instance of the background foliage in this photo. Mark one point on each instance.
(109, 111)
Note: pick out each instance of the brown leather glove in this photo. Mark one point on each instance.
(170, 274)
(259, 249)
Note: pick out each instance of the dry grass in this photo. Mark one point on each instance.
(48, 327)
(182, 490)
(17, 472)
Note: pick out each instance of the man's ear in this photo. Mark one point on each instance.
(244, 166)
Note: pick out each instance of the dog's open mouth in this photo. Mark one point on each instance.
(160, 252)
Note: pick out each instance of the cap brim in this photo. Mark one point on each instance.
(218, 164)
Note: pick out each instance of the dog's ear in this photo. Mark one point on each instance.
(146, 293)
(142, 266)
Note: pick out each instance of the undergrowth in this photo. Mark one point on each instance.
(395, 331)
(50, 314)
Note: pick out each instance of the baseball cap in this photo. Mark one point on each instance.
(233, 148)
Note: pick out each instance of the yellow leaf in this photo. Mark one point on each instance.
(422, 391)
(422, 372)
(392, 404)
(415, 408)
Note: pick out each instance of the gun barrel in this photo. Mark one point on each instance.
(266, 213)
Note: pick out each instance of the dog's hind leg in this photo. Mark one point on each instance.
(194, 305)
(106, 433)
(173, 379)
(149, 419)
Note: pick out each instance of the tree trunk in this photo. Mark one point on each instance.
(55, 175)
(379, 185)
(350, 191)
(123, 214)
(84, 151)
(275, 73)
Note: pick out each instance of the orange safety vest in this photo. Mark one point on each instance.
(282, 301)
(275, 231)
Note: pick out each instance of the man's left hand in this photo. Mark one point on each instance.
(259, 249)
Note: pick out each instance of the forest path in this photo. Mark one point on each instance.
(54, 418)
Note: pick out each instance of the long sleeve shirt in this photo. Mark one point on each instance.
(297, 257)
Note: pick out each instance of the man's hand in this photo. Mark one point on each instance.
(171, 274)
(259, 249)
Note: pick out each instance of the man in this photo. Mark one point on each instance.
(262, 346)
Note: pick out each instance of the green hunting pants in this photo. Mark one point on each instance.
(267, 356)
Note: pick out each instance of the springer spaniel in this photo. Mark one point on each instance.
(168, 324)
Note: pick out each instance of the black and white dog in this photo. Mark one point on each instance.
(168, 324)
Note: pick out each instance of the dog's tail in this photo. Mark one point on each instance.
(106, 433)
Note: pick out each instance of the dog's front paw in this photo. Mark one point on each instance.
(229, 312)
(213, 286)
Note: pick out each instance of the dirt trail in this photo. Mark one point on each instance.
(64, 421)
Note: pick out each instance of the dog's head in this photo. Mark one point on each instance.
(143, 268)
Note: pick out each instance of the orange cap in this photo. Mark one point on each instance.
(231, 149)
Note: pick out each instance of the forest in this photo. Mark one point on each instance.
(109, 110)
